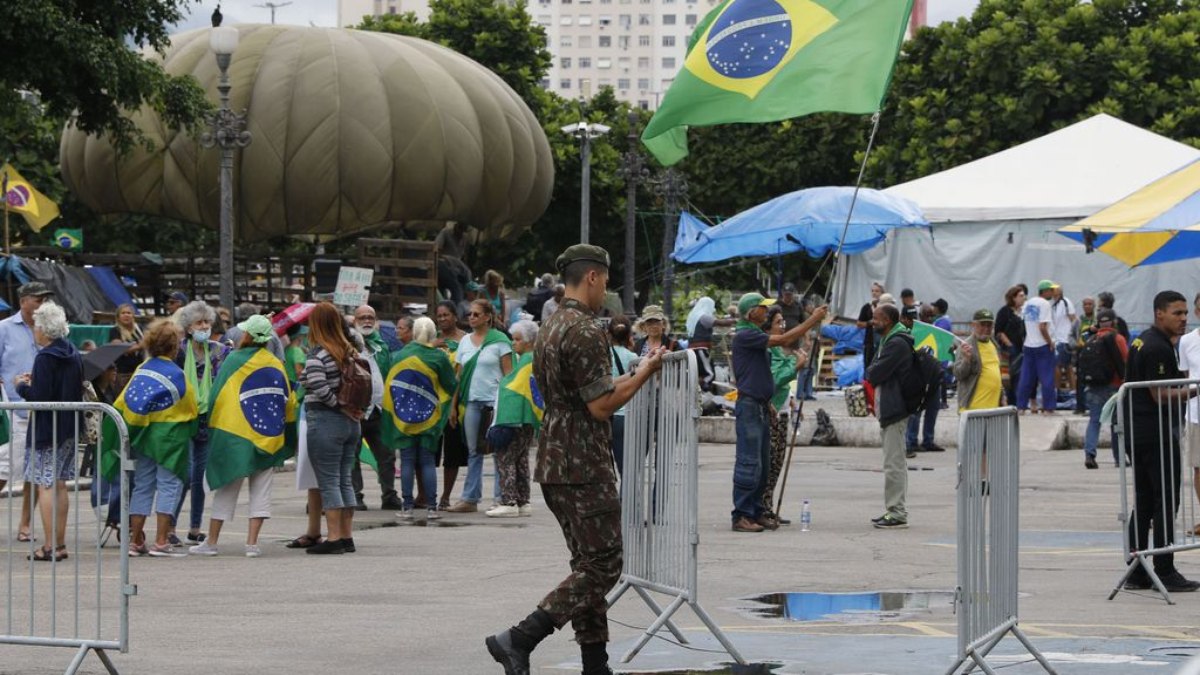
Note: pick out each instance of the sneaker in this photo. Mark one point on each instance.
(253, 551)
(136, 551)
(504, 511)
(909, 453)
(203, 548)
(1138, 581)
(164, 551)
(879, 519)
(326, 547)
(432, 514)
(1090, 463)
(360, 505)
(932, 447)
(527, 511)
(890, 522)
(768, 522)
(1177, 583)
(405, 514)
(196, 538)
(744, 524)
(348, 545)
(174, 540)
(462, 507)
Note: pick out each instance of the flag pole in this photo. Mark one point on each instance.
(862, 169)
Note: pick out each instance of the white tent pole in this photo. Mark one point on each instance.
(862, 168)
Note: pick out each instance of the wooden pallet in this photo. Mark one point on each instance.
(405, 273)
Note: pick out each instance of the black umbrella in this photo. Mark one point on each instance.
(99, 359)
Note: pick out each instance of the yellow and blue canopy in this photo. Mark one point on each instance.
(1159, 223)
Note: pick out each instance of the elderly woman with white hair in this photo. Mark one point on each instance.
(416, 401)
(200, 357)
(518, 417)
(50, 444)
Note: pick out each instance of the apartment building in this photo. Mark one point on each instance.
(351, 12)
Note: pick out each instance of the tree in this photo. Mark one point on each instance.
(1018, 69)
(75, 57)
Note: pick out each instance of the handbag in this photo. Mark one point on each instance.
(856, 401)
(482, 446)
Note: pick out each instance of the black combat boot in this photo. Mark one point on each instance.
(511, 648)
(595, 659)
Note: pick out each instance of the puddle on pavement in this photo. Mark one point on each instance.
(872, 607)
(718, 669)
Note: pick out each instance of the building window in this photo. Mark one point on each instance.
(585, 19)
(566, 20)
(643, 63)
(689, 19)
(643, 104)
(643, 83)
(622, 83)
(585, 62)
(668, 62)
(668, 40)
(605, 41)
(605, 82)
(544, 19)
(623, 41)
(564, 83)
(666, 84)
(623, 62)
(545, 83)
(668, 19)
(565, 41)
(625, 21)
(644, 19)
(605, 20)
(565, 62)
(604, 62)
(585, 41)
(643, 40)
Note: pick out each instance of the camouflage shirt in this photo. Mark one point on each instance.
(572, 363)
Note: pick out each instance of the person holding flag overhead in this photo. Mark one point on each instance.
(416, 405)
(159, 408)
(251, 430)
(519, 408)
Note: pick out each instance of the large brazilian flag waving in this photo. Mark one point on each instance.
(160, 411)
(416, 396)
(769, 60)
(252, 417)
(519, 402)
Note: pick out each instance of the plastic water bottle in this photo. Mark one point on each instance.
(805, 517)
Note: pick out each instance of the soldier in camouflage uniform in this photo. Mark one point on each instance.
(573, 367)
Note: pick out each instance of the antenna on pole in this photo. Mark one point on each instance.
(273, 6)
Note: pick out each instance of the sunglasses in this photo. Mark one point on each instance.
(476, 314)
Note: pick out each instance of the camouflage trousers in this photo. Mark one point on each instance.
(779, 430)
(590, 518)
(512, 463)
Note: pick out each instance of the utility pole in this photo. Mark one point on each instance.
(673, 189)
(273, 6)
(633, 170)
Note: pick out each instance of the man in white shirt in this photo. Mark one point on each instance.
(1062, 322)
(1037, 364)
(1189, 363)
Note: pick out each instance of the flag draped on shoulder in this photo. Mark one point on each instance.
(160, 412)
(518, 401)
(769, 60)
(468, 370)
(252, 417)
(416, 396)
(21, 197)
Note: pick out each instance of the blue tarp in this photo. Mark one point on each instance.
(809, 220)
(845, 338)
(111, 286)
(12, 265)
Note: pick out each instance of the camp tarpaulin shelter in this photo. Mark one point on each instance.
(995, 223)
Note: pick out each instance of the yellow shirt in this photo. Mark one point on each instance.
(987, 390)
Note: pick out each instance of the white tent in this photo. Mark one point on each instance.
(994, 222)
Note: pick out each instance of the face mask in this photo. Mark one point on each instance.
(201, 335)
(366, 330)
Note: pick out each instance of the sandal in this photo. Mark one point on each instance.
(25, 537)
(305, 541)
(60, 553)
(41, 554)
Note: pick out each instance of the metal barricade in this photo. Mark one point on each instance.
(1156, 475)
(659, 499)
(76, 601)
(988, 526)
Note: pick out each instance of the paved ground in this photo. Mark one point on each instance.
(420, 599)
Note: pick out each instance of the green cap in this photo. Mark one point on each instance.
(581, 252)
(751, 300)
(1045, 285)
(258, 327)
(984, 315)
(474, 286)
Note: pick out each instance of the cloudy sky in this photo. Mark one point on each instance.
(324, 12)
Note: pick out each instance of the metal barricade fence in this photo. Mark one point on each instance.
(1158, 442)
(82, 600)
(988, 527)
(659, 499)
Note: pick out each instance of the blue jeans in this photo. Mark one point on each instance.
(473, 485)
(804, 383)
(333, 444)
(753, 459)
(148, 478)
(1037, 366)
(409, 459)
(1096, 398)
(914, 423)
(197, 463)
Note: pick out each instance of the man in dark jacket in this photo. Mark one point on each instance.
(889, 374)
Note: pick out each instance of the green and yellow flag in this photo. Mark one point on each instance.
(519, 402)
(160, 411)
(416, 396)
(252, 417)
(769, 60)
(21, 197)
(939, 340)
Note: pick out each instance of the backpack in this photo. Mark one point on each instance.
(354, 394)
(824, 434)
(1096, 366)
(921, 387)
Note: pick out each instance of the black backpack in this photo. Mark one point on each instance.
(925, 378)
(1096, 365)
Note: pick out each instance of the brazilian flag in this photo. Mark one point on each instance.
(252, 417)
(160, 411)
(519, 402)
(938, 340)
(416, 396)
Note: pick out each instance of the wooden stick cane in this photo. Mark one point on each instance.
(797, 415)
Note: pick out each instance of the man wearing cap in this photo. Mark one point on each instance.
(17, 349)
(977, 366)
(1114, 349)
(572, 363)
(379, 358)
(1037, 361)
(793, 312)
(752, 413)
(175, 300)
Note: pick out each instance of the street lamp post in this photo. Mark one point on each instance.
(633, 170)
(673, 189)
(585, 131)
(227, 130)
